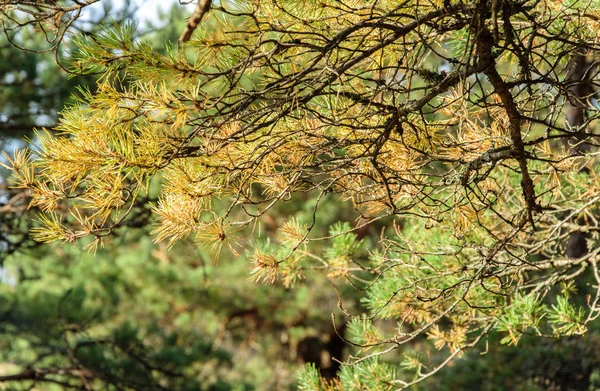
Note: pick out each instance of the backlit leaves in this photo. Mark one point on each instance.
(425, 118)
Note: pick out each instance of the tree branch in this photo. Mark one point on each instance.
(485, 43)
(201, 10)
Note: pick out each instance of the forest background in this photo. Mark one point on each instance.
(135, 314)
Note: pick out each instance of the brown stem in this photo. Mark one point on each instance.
(201, 10)
(485, 43)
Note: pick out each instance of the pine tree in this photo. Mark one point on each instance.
(464, 129)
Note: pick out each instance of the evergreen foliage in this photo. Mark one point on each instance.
(463, 130)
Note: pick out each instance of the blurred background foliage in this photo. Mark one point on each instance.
(136, 316)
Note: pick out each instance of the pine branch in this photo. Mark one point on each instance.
(201, 10)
